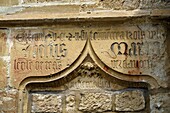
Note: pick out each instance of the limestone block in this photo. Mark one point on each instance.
(130, 101)
(95, 102)
(159, 103)
(46, 103)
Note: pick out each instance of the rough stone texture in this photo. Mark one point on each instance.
(3, 59)
(120, 4)
(46, 103)
(134, 4)
(167, 68)
(89, 77)
(3, 43)
(8, 101)
(145, 4)
(160, 103)
(95, 102)
(71, 103)
(130, 101)
(131, 4)
(3, 74)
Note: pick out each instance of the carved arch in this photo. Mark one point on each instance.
(88, 50)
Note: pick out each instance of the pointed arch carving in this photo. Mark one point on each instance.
(89, 50)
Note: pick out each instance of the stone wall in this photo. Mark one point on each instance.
(84, 56)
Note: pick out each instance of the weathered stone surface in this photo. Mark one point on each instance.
(46, 103)
(120, 4)
(95, 102)
(130, 101)
(131, 4)
(89, 77)
(159, 103)
(8, 101)
(71, 103)
(3, 58)
(3, 74)
(3, 43)
(145, 4)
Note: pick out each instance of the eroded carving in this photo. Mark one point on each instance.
(95, 102)
(89, 77)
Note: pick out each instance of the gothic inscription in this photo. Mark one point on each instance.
(45, 51)
(127, 49)
(130, 50)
